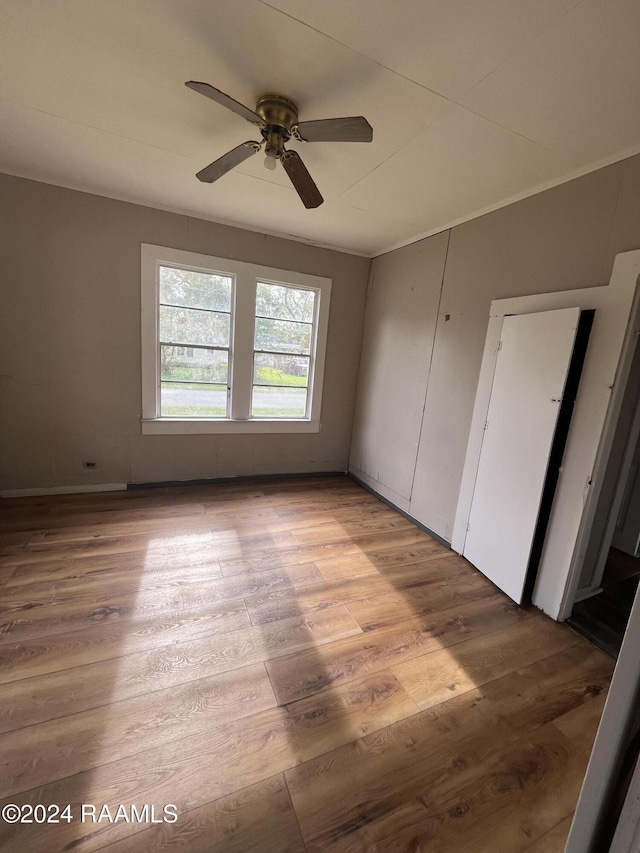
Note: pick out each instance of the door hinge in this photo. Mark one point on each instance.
(499, 346)
(486, 424)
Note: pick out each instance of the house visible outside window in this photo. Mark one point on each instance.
(282, 354)
(229, 346)
(194, 310)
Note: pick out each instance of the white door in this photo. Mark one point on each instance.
(528, 384)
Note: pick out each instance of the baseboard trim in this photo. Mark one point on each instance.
(404, 514)
(63, 490)
(241, 478)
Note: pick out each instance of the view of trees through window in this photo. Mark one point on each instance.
(195, 338)
(282, 350)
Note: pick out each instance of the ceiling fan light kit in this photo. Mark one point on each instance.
(277, 118)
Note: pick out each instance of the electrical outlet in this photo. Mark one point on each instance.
(89, 463)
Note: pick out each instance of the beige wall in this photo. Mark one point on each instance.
(70, 344)
(561, 239)
(402, 308)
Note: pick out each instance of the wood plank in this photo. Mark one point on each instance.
(318, 483)
(97, 547)
(377, 562)
(553, 841)
(79, 682)
(581, 724)
(323, 504)
(14, 537)
(61, 747)
(287, 487)
(41, 610)
(284, 504)
(312, 553)
(238, 530)
(149, 566)
(223, 651)
(437, 778)
(255, 544)
(368, 780)
(544, 691)
(338, 531)
(539, 779)
(172, 602)
(242, 752)
(197, 707)
(436, 677)
(225, 516)
(300, 520)
(381, 611)
(306, 673)
(471, 817)
(114, 639)
(55, 510)
(28, 521)
(259, 817)
(102, 528)
(276, 605)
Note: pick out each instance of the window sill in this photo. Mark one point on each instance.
(169, 426)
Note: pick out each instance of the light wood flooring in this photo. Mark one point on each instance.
(292, 664)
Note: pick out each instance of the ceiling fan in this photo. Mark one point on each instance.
(277, 118)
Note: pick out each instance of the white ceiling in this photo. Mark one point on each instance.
(474, 103)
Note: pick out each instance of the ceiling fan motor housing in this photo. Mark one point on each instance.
(279, 115)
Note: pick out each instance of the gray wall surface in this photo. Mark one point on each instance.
(561, 239)
(70, 344)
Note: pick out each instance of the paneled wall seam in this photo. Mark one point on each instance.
(370, 276)
(433, 347)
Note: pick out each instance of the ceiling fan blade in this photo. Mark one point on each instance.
(351, 129)
(227, 162)
(225, 101)
(301, 179)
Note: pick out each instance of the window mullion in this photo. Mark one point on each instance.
(243, 331)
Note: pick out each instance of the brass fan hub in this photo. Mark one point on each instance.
(277, 110)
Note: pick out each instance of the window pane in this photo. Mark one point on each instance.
(282, 336)
(195, 289)
(271, 369)
(278, 402)
(188, 364)
(193, 401)
(186, 326)
(284, 303)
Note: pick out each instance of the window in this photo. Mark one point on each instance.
(194, 321)
(282, 350)
(229, 346)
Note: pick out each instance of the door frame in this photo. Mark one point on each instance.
(606, 368)
(601, 781)
(614, 510)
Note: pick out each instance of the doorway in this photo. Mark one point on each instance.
(611, 572)
(603, 618)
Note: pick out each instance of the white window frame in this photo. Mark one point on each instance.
(245, 277)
